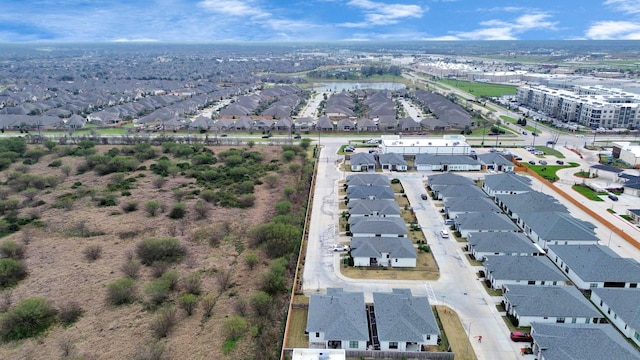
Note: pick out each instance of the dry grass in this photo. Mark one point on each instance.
(297, 325)
(59, 271)
(426, 269)
(456, 336)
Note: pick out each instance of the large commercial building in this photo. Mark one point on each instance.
(592, 106)
(447, 145)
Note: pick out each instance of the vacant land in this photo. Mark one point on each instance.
(89, 220)
(480, 89)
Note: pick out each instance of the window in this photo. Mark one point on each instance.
(555, 283)
(393, 344)
(601, 302)
(574, 320)
(560, 320)
(531, 282)
(542, 282)
(586, 321)
(396, 260)
(593, 285)
(428, 337)
(633, 285)
(353, 344)
(317, 334)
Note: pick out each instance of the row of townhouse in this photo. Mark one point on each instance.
(544, 266)
(606, 108)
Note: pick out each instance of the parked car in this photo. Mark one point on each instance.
(519, 336)
(340, 247)
(538, 152)
(223, 135)
(532, 162)
(424, 197)
(524, 133)
(559, 162)
(543, 162)
(534, 133)
(449, 222)
(517, 157)
(266, 136)
(444, 233)
(298, 136)
(612, 197)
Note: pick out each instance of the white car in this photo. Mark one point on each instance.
(340, 247)
(444, 233)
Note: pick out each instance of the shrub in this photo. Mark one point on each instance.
(164, 322)
(92, 252)
(69, 312)
(130, 268)
(178, 211)
(131, 206)
(192, 283)
(154, 351)
(159, 268)
(11, 272)
(283, 207)
(271, 181)
(234, 327)
(121, 291)
(207, 303)
(152, 207)
(171, 277)
(188, 303)
(30, 317)
(201, 208)
(208, 195)
(261, 303)
(157, 291)
(224, 279)
(11, 249)
(163, 249)
(251, 259)
(275, 281)
(240, 306)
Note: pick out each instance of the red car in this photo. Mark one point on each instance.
(519, 336)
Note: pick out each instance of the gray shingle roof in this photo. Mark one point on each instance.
(523, 268)
(430, 159)
(340, 315)
(373, 247)
(507, 182)
(362, 159)
(559, 226)
(364, 192)
(374, 206)
(581, 342)
(448, 179)
(485, 221)
(389, 225)
(392, 158)
(531, 201)
(403, 317)
(597, 263)
(624, 302)
(552, 301)
(494, 158)
(451, 191)
(368, 180)
(474, 204)
(504, 242)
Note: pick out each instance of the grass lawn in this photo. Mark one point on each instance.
(480, 89)
(549, 151)
(454, 333)
(426, 269)
(547, 171)
(297, 324)
(490, 291)
(587, 192)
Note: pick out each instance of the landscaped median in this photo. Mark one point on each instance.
(548, 172)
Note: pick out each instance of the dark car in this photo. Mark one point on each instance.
(613, 197)
(424, 197)
(266, 136)
(559, 162)
(543, 162)
(534, 133)
(298, 136)
(532, 162)
(519, 336)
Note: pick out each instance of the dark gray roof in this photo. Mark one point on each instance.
(552, 301)
(612, 169)
(448, 179)
(392, 158)
(560, 226)
(451, 191)
(503, 242)
(597, 263)
(532, 201)
(340, 315)
(362, 159)
(485, 221)
(494, 158)
(473, 204)
(371, 206)
(523, 268)
(364, 192)
(389, 225)
(581, 342)
(624, 302)
(368, 180)
(430, 159)
(507, 182)
(373, 247)
(403, 317)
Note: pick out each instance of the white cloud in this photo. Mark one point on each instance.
(377, 13)
(504, 30)
(627, 6)
(614, 30)
(234, 8)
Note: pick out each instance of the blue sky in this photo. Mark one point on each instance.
(316, 20)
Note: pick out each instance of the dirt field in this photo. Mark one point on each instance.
(59, 271)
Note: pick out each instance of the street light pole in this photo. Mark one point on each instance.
(469, 331)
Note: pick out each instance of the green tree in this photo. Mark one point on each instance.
(188, 303)
(152, 250)
(261, 302)
(234, 327)
(121, 291)
(11, 272)
(251, 259)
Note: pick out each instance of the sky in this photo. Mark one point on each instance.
(202, 21)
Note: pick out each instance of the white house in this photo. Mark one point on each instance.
(620, 306)
(383, 251)
(501, 271)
